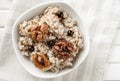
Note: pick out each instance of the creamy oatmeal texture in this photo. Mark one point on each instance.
(50, 40)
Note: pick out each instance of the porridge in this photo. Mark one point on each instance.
(50, 40)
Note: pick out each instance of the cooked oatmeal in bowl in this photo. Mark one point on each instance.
(51, 40)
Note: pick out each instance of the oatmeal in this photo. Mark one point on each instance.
(50, 40)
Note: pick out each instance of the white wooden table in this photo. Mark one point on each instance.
(4, 12)
(112, 72)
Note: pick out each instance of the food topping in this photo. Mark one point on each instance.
(31, 48)
(51, 39)
(44, 28)
(43, 64)
(70, 32)
(39, 33)
(59, 14)
(62, 49)
(51, 43)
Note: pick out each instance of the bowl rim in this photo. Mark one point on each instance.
(27, 11)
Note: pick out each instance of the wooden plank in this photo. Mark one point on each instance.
(113, 72)
(3, 17)
(2, 30)
(4, 11)
(5, 4)
(115, 54)
(116, 41)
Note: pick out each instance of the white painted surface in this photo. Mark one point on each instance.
(4, 13)
(117, 37)
(5, 4)
(115, 54)
(113, 72)
(3, 17)
(1, 32)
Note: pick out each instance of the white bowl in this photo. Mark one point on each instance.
(28, 65)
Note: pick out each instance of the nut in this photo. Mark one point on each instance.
(62, 49)
(39, 33)
(39, 36)
(44, 64)
(33, 35)
(44, 28)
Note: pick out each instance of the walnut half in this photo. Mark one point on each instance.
(39, 33)
(62, 49)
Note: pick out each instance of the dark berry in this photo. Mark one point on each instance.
(31, 48)
(56, 37)
(70, 33)
(59, 14)
(51, 43)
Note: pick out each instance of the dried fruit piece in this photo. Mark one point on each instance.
(70, 33)
(44, 64)
(31, 48)
(51, 43)
(60, 14)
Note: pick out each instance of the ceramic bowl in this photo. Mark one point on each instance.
(28, 65)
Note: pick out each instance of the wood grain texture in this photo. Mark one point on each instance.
(5, 4)
(113, 72)
(115, 54)
(3, 17)
(116, 40)
(4, 13)
(106, 10)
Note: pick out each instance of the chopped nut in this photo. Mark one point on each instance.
(56, 47)
(39, 37)
(44, 28)
(33, 35)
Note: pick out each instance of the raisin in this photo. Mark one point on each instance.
(56, 37)
(51, 43)
(59, 14)
(70, 33)
(31, 48)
